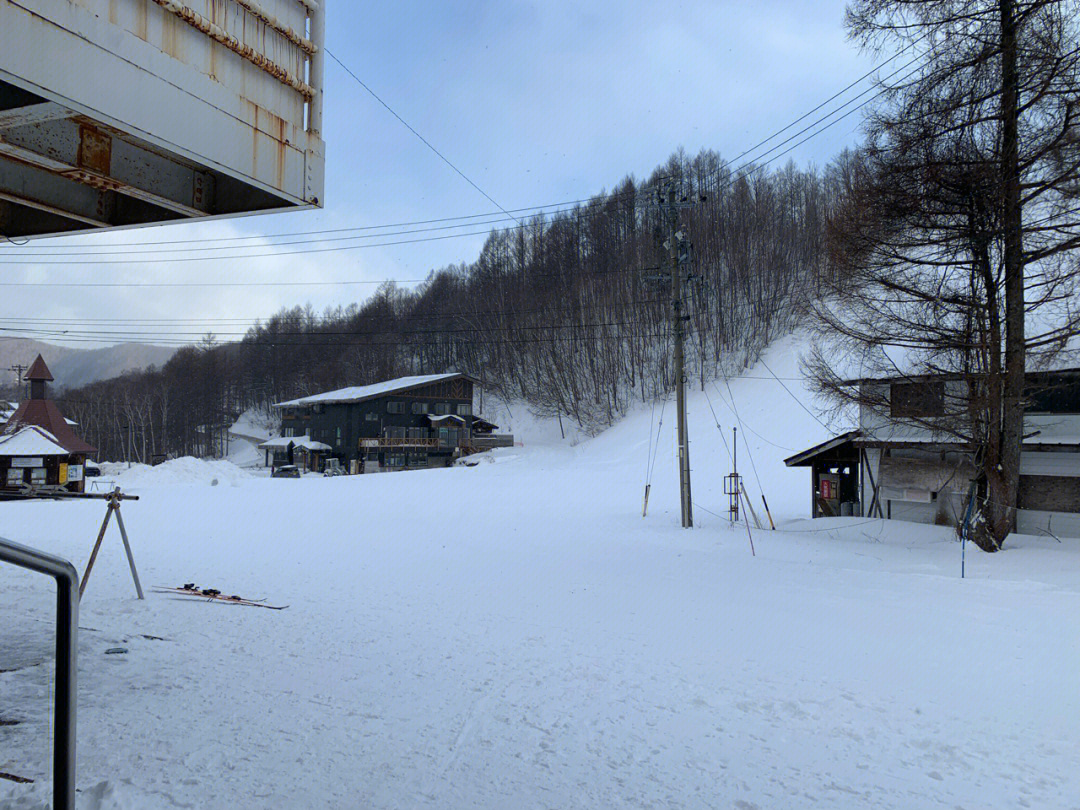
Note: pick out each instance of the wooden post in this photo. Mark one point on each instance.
(127, 550)
(748, 534)
(97, 546)
(114, 499)
(749, 507)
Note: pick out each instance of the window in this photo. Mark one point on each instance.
(442, 408)
(418, 433)
(419, 407)
(1049, 493)
(395, 461)
(917, 400)
(1056, 394)
(464, 409)
(288, 432)
(395, 407)
(14, 476)
(339, 437)
(371, 417)
(37, 475)
(317, 408)
(395, 432)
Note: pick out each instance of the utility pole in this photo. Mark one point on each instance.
(678, 256)
(675, 238)
(19, 370)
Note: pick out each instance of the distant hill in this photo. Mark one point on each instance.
(75, 367)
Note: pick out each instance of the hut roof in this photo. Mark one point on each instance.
(298, 443)
(359, 393)
(30, 441)
(39, 371)
(44, 413)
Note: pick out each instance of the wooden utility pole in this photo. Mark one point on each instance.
(19, 369)
(675, 237)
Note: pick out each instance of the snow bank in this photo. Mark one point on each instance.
(530, 430)
(517, 635)
(256, 423)
(175, 472)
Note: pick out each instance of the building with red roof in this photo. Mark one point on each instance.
(17, 473)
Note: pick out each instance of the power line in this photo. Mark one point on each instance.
(792, 394)
(745, 169)
(425, 141)
(508, 212)
(265, 321)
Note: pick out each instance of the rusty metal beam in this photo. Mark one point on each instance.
(99, 159)
(300, 41)
(46, 191)
(33, 114)
(220, 35)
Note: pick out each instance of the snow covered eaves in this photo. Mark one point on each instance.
(359, 393)
(298, 443)
(445, 418)
(30, 441)
(1033, 368)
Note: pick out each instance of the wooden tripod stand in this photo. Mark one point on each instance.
(114, 498)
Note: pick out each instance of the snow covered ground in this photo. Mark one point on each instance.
(515, 635)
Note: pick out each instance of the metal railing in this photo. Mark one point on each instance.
(399, 441)
(67, 629)
(492, 440)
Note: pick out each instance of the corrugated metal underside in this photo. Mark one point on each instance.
(120, 113)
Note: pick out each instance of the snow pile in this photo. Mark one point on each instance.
(529, 430)
(257, 424)
(175, 472)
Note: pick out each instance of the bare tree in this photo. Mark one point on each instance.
(955, 241)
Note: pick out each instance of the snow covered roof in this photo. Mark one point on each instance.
(444, 417)
(30, 441)
(298, 442)
(359, 393)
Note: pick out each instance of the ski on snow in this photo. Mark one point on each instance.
(215, 595)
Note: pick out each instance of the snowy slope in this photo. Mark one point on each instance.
(515, 635)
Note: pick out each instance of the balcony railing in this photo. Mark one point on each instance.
(491, 441)
(386, 441)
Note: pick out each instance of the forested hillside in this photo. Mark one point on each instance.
(565, 311)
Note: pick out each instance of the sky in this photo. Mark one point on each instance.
(536, 102)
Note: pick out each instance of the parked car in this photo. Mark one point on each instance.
(288, 471)
(90, 469)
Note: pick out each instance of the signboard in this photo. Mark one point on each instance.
(28, 462)
(74, 472)
(63, 477)
(829, 489)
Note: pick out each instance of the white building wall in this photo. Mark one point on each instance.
(1059, 524)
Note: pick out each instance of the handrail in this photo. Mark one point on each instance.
(67, 629)
(400, 441)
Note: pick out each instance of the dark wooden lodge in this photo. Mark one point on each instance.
(407, 423)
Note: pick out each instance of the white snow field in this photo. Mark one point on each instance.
(515, 635)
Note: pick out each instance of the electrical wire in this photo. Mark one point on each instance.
(746, 168)
(409, 127)
(540, 209)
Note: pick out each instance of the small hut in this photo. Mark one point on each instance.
(23, 471)
(303, 451)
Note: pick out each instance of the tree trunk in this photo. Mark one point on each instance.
(1003, 504)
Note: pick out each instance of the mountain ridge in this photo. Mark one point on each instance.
(76, 367)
